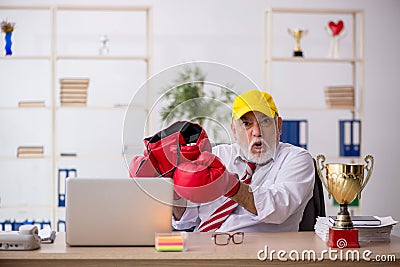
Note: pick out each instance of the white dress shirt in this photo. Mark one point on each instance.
(281, 190)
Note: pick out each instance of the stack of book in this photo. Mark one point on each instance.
(370, 228)
(73, 91)
(339, 97)
(30, 152)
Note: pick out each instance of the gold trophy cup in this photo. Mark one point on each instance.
(297, 34)
(345, 182)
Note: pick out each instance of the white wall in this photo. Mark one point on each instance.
(230, 32)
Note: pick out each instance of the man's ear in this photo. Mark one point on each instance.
(280, 125)
(233, 129)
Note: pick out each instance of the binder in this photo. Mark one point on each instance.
(61, 226)
(6, 225)
(44, 224)
(16, 224)
(63, 174)
(350, 138)
(295, 132)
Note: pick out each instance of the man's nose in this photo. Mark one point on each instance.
(256, 130)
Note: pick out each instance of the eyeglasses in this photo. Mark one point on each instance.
(262, 122)
(223, 238)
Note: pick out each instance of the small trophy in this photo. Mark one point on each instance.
(297, 34)
(345, 182)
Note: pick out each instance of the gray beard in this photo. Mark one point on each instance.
(263, 157)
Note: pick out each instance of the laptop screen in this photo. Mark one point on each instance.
(117, 211)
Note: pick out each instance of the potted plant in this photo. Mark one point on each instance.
(193, 99)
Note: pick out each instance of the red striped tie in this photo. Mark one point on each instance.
(222, 212)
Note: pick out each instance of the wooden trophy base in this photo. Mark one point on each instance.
(343, 238)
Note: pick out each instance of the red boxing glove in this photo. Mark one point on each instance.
(141, 166)
(205, 179)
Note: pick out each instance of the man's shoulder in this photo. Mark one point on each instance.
(286, 149)
(294, 156)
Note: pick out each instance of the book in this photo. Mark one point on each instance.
(340, 97)
(74, 86)
(67, 101)
(366, 233)
(361, 220)
(66, 98)
(73, 90)
(73, 104)
(30, 152)
(30, 156)
(30, 104)
(74, 81)
(335, 89)
(339, 106)
(30, 149)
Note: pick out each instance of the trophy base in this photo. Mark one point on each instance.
(343, 238)
(298, 53)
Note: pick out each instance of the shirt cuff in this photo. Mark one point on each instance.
(188, 220)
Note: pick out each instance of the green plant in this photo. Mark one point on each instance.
(192, 98)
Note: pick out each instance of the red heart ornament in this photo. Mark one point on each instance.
(336, 28)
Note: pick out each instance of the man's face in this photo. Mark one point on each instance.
(257, 135)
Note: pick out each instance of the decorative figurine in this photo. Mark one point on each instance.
(104, 41)
(336, 32)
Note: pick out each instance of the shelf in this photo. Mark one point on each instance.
(91, 157)
(315, 109)
(47, 69)
(314, 11)
(313, 60)
(103, 8)
(108, 57)
(89, 107)
(25, 7)
(25, 208)
(305, 98)
(18, 57)
(18, 108)
(27, 158)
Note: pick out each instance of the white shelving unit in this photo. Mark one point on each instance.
(298, 83)
(94, 132)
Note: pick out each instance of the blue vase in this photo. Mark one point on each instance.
(8, 43)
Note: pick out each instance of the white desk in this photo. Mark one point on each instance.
(201, 251)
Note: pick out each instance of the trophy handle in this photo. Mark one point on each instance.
(320, 166)
(369, 159)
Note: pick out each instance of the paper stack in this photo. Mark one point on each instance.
(340, 97)
(170, 241)
(73, 91)
(30, 152)
(366, 233)
(321, 228)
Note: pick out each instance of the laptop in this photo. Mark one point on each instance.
(117, 211)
